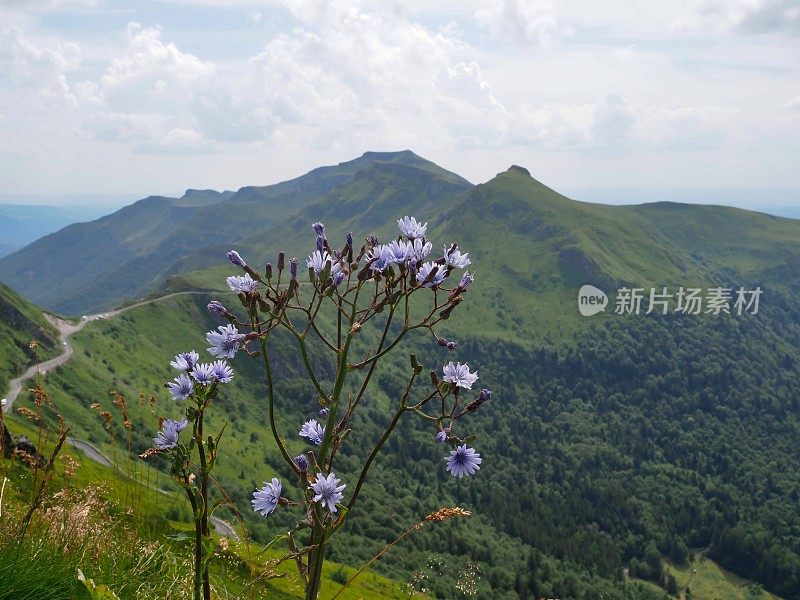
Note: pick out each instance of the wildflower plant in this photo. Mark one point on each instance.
(394, 289)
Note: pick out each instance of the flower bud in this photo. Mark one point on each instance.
(292, 268)
(234, 257)
(281, 261)
(319, 229)
(320, 244)
(216, 307)
(268, 271)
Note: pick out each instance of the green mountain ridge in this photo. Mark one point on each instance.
(129, 253)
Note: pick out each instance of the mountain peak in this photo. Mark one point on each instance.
(518, 169)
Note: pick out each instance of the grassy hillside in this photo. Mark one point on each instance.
(117, 532)
(21, 322)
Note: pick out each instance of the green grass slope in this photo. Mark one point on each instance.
(21, 322)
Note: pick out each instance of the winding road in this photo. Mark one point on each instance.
(66, 329)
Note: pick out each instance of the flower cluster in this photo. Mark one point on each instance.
(167, 438)
(194, 372)
(391, 273)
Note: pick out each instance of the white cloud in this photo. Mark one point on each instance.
(616, 125)
(793, 104)
(747, 16)
(525, 22)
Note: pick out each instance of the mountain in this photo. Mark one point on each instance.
(612, 443)
(20, 323)
(21, 224)
(126, 254)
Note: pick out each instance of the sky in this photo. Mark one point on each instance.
(615, 101)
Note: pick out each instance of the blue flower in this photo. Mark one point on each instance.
(320, 243)
(185, 361)
(203, 374)
(466, 280)
(265, 500)
(167, 438)
(463, 461)
(411, 228)
(384, 258)
(459, 374)
(226, 343)
(441, 436)
(242, 284)
(348, 240)
(317, 261)
(234, 257)
(319, 229)
(454, 258)
(181, 387)
(401, 251)
(222, 371)
(324, 411)
(328, 491)
(313, 431)
(421, 249)
(338, 279)
(216, 307)
(425, 271)
(302, 462)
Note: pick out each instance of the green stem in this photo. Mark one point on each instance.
(271, 404)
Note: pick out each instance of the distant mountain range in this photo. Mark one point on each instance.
(21, 224)
(611, 441)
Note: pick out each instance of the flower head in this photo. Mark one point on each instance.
(319, 229)
(348, 240)
(242, 284)
(185, 361)
(338, 279)
(441, 436)
(168, 436)
(383, 258)
(313, 431)
(460, 375)
(265, 500)
(181, 387)
(226, 342)
(425, 270)
(328, 491)
(222, 371)
(324, 411)
(203, 374)
(454, 258)
(401, 251)
(411, 228)
(318, 259)
(421, 249)
(466, 280)
(234, 257)
(302, 462)
(463, 461)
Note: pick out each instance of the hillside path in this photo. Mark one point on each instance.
(66, 329)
